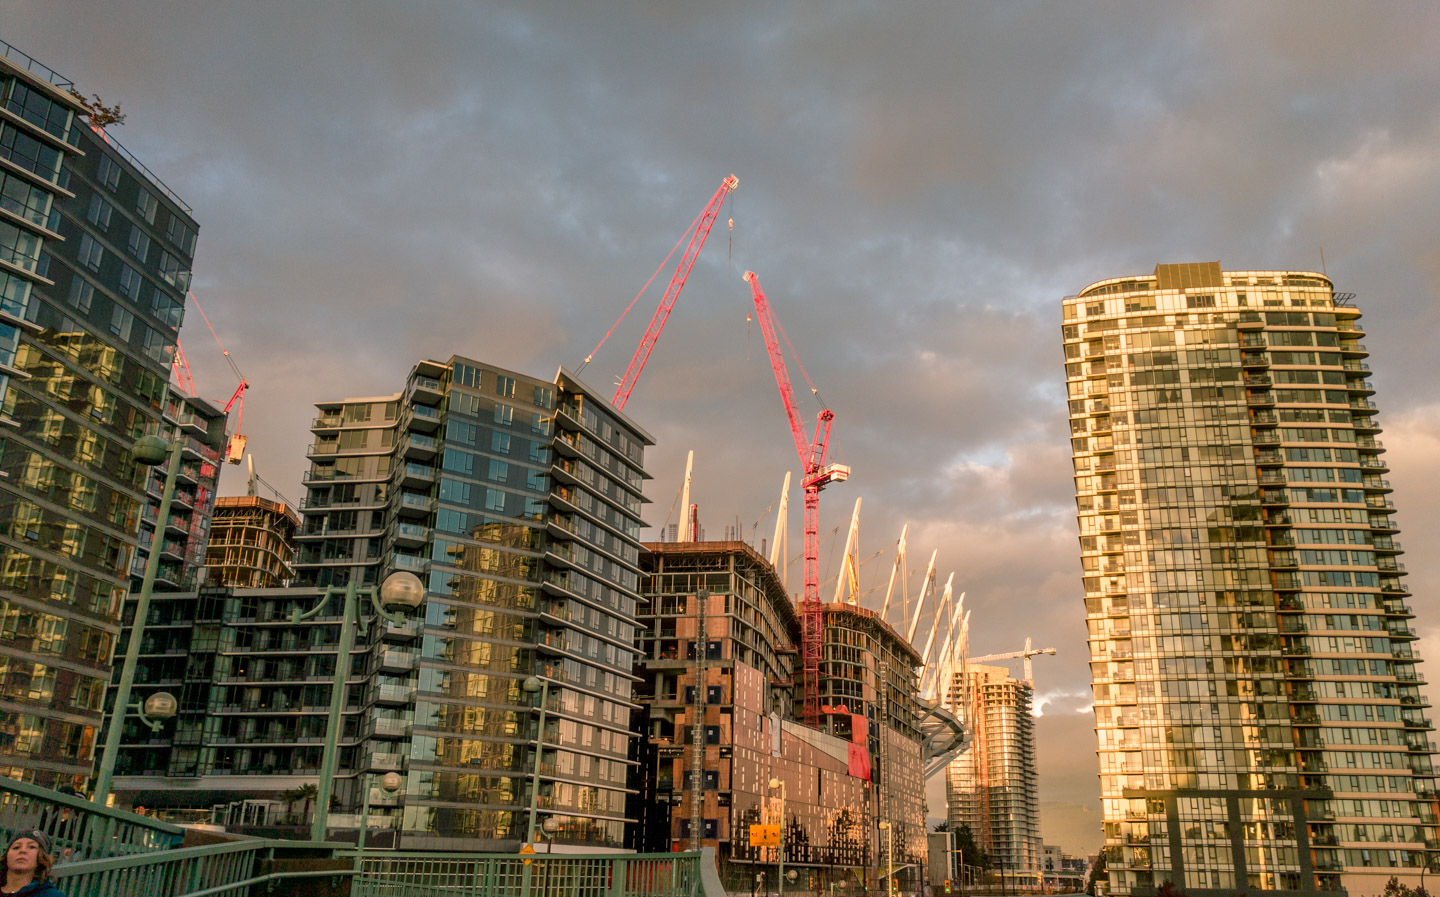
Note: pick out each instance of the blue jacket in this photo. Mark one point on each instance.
(39, 889)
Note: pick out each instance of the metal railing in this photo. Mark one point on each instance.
(30, 64)
(209, 869)
(412, 874)
(79, 829)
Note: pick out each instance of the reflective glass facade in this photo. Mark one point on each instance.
(517, 501)
(94, 264)
(1258, 715)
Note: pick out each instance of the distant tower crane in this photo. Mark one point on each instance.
(700, 230)
(817, 472)
(1027, 653)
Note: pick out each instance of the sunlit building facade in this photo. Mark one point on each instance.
(95, 256)
(858, 766)
(994, 786)
(1259, 719)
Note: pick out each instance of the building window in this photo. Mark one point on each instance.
(91, 252)
(81, 294)
(99, 214)
(500, 443)
(499, 471)
(121, 322)
(172, 273)
(505, 386)
(146, 204)
(181, 235)
(130, 282)
(139, 244)
(543, 396)
(109, 173)
(504, 415)
(172, 313)
(494, 500)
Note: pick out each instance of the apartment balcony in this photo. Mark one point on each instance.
(1250, 360)
(1353, 349)
(1376, 484)
(1258, 380)
(384, 761)
(1361, 387)
(1269, 458)
(413, 505)
(426, 390)
(389, 728)
(418, 446)
(394, 694)
(423, 419)
(1375, 463)
(393, 660)
(1266, 438)
(1275, 497)
(1260, 398)
(411, 535)
(1272, 478)
(1366, 425)
(416, 476)
(1284, 560)
(325, 422)
(1382, 523)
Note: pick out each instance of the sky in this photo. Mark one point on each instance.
(920, 185)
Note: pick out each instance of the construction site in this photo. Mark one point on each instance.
(790, 723)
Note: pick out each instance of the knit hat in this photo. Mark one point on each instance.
(35, 835)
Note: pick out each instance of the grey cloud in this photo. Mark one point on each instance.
(919, 187)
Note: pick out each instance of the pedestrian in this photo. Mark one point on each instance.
(26, 866)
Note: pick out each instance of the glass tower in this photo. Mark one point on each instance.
(95, 256)
(1258, 715)
(517, 501)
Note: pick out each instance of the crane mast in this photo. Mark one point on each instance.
(817, 472)
(677, 283)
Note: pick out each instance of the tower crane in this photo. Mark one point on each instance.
(817, 472)
(700, 229)
(1027, 652)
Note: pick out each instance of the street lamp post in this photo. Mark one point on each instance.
(532, 685)
(149, 451)
(400, 590)
(779, 785)
(389, 783)
(889, 831)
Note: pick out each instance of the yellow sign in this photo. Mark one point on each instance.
(528, 848)
(764, 836)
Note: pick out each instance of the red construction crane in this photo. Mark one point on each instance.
(700, 230)
(817, 473)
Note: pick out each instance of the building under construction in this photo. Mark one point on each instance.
(252, 542)
(993, 787)
(840, 779)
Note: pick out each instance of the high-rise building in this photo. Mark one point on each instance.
(517, 501)
(95, 254)
(993, 787)
(252, 542)
(706, 755)
(1258, 712)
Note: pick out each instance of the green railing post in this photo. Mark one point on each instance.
(335, 722)
(108, 758)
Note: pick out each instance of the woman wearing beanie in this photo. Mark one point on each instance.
(25, 867)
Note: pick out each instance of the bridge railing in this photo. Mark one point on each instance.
(414, 874)
(210, 869)
(79, 829)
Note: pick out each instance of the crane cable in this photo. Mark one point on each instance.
(588, 358)
(226, 352)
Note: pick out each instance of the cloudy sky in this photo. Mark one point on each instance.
(920, 184)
